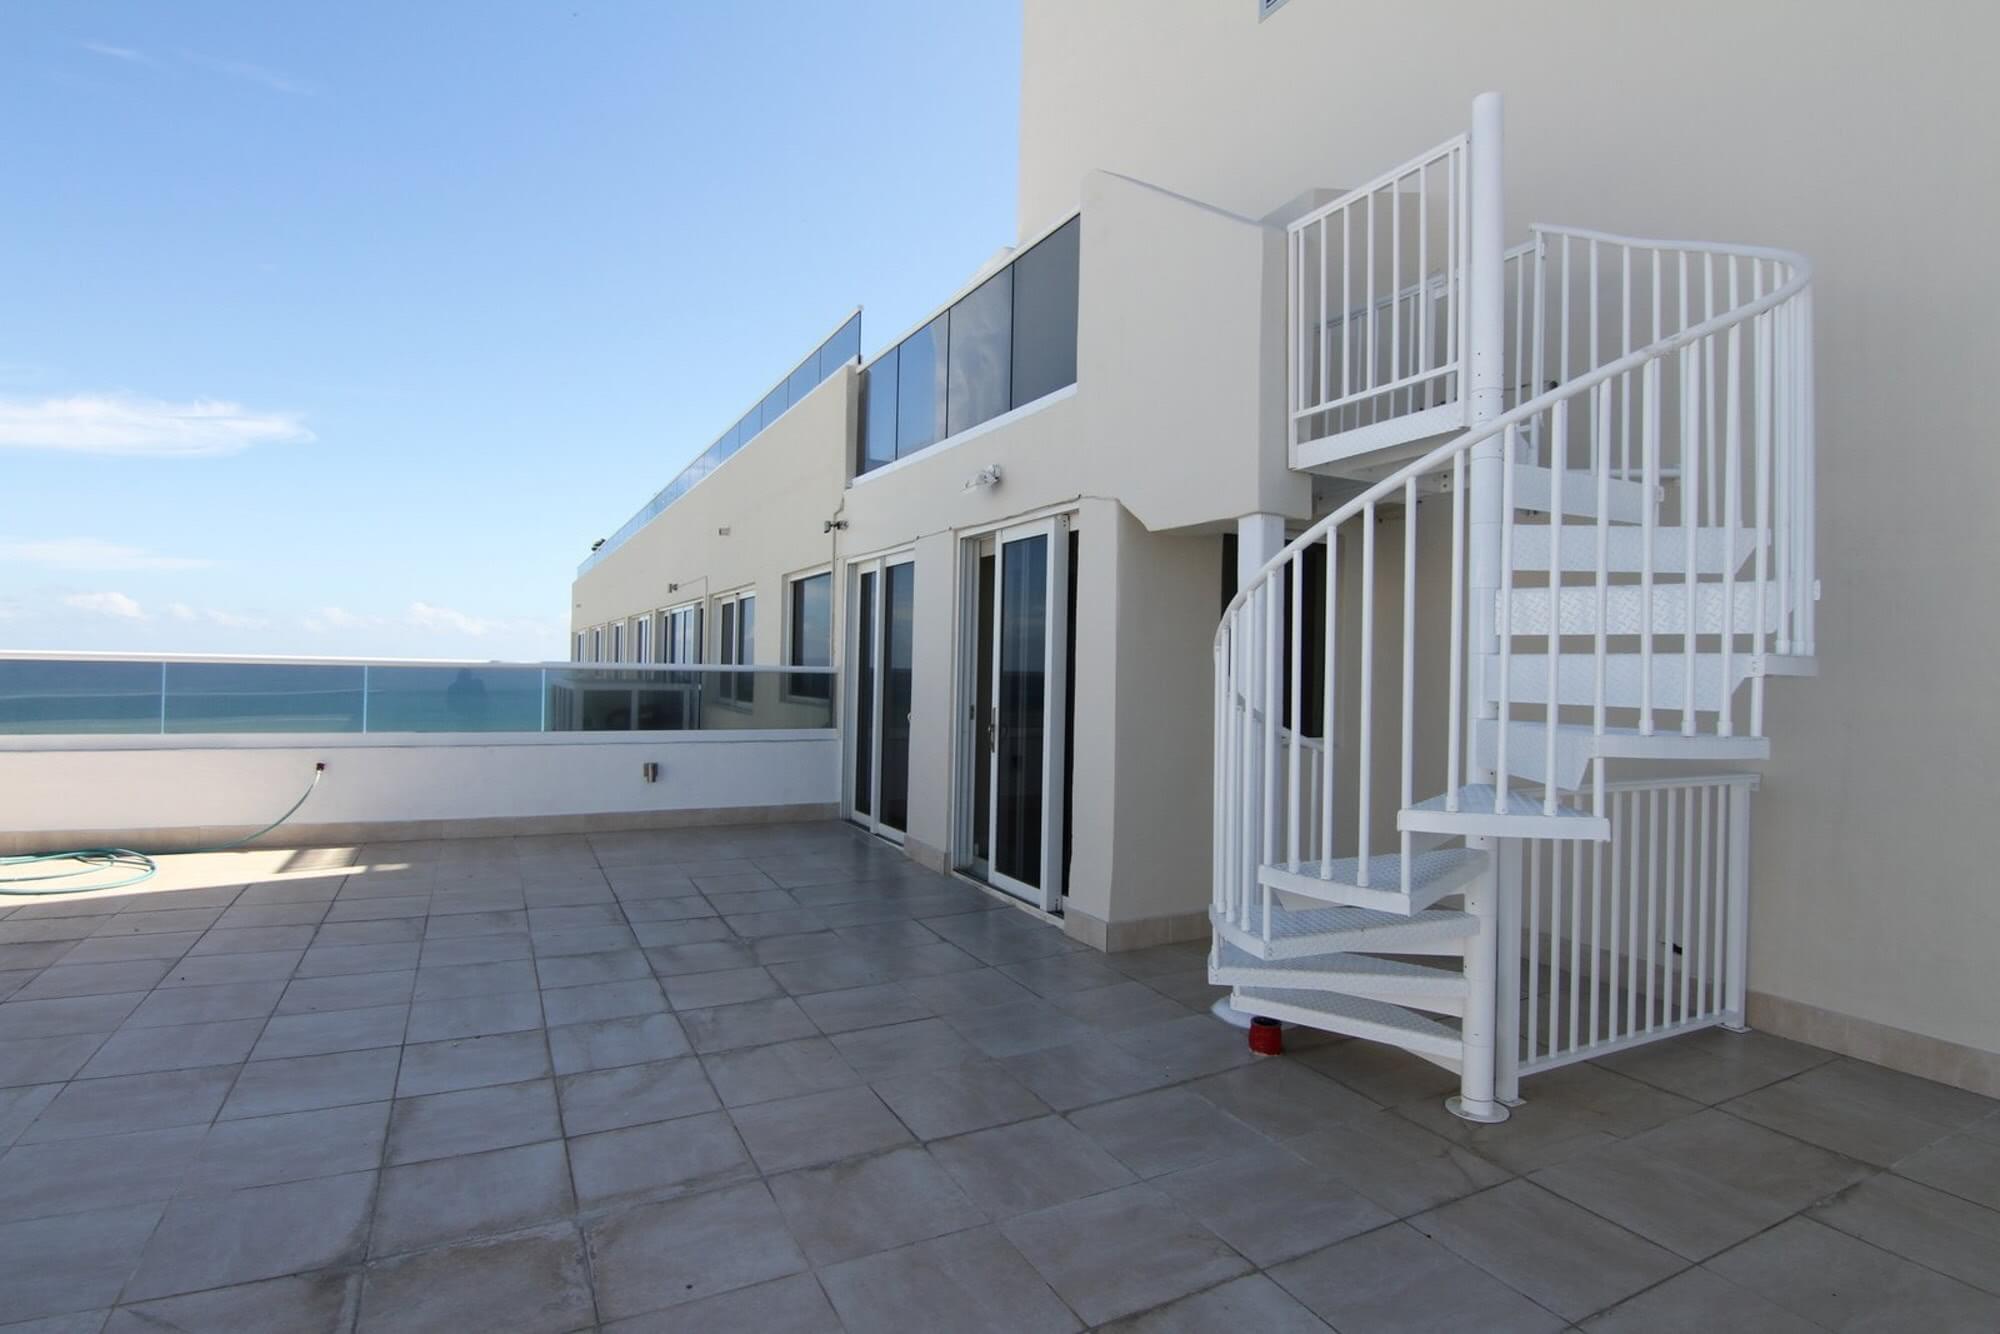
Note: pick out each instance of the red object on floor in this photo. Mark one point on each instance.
(1267, 1037)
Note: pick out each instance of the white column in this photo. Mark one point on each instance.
(1475, 1100)
(1258, 538)
(1486, 386)
(1737, 953)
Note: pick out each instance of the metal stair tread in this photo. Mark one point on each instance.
(1479, 798)
(1385, 871)
(1385, 1014)
(1359, 965)
(1297, 923)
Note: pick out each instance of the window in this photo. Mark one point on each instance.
(618, 642)
(809, 635)
(920, 386)
(680, 635)
(979, 362)
(1044, 353)
(1007, 342)
(597, 644)
(736, 645)
(576, 651)
(642, 639)
(878, 413)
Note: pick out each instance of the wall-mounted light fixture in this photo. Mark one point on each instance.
(722, 532)
(985, 477)
(834, 526)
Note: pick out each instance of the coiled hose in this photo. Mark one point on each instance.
(138, 866)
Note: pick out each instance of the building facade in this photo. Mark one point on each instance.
(1014, 529)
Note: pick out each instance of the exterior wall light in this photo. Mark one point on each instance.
(986, 477)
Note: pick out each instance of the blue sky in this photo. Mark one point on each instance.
(344, 329)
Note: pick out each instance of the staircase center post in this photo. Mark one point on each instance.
(1486, 386)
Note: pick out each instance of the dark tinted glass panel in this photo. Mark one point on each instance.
(878, 412)
(728, 640)
(1045, 315)
(262, 697)
(1017, 835)
(746, 648)
(812, 634)
(898, 662)
(864, 695)
(920, 382)
(844, 346)
(84, 697)
(773, 406)
(977, 389)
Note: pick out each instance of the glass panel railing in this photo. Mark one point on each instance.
(587, 699)
(262, 697)
(79, 698)
(839, 348)
(91, 697)
(454, 699)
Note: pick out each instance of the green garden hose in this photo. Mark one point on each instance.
(139, 866)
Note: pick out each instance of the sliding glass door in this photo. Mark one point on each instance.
(881, 614)
(1015, 654)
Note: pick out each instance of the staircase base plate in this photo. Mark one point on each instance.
(1490, 1115)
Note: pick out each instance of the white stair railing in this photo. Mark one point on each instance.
(1378, 309)
(1639, 406)
(1611, 945)
(1674, 447)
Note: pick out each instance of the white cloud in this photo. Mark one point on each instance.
(425, 616)
(132, 425)
(276, 80)
(106, 604)
(337, 618)
(125, 53)
(229, 620)
(91, 553)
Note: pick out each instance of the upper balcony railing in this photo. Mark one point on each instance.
(1008, 341)
(114, 695)
(840, 348)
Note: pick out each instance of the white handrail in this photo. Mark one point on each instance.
(1802, 277)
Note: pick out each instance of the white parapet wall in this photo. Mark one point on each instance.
(163, 793)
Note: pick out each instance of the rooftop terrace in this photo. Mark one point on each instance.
(779, 1078)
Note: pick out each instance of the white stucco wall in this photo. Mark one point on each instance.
(145, 788)
(1847, 130)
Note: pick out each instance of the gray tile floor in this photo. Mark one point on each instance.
(780, 1079)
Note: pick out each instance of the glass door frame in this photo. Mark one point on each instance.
(877, 566)
(1047, 895)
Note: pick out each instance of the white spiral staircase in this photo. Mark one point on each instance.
(1605, 560)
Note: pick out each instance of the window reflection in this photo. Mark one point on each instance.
(1008, 342)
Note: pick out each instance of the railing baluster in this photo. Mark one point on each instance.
(1552, 714)
(1534, 1025)
(1295, 654)
(1652, 907)
(1575, 942)
(1455, 706)
(1596, 939)
(1332, 632)
(1409, 738)
(1649, 445)
(1364, 767)
(1509, 441)
(1555, 847)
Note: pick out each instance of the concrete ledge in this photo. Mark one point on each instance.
(304, 835)
(1115, 937)
(1951, 1063)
